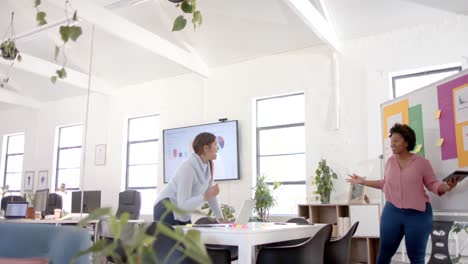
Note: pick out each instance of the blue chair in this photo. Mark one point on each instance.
(57, 243)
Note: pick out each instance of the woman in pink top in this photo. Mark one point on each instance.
(407, 211)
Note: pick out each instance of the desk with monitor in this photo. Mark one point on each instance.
(91, 201)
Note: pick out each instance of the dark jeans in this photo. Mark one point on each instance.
(158, 212)
(395, 223)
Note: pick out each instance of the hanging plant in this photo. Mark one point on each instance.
(187, 7)
(8, 46)
(68, 32)
(8, 50)
(71, 31)
(40, 15)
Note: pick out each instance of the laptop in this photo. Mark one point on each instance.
(245, 212)
(242, 217)
(16, 210)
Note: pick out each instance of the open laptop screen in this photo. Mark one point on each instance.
(16, 210)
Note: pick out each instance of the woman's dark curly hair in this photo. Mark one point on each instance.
(407, 133)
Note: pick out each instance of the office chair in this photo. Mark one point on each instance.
(310, 251)
(298, 220)
(12, 198)
(337, 251)
(54, 201)
(217, 253)
(130, 202)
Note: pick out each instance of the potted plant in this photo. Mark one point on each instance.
(30, 198)
(8, 47)
(324, 181)
(264, 199)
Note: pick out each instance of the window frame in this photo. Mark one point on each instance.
(57, 167)
(259, 129)
(7, 155)
(422, 73)
(129, 143)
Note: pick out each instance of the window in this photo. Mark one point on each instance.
(69, 157)
(404, 84)
(281, 148)
(13, 162)
(143, 159)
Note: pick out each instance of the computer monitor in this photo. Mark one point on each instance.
(40, 200)
(91, 201)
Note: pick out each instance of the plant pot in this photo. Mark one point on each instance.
(327, 196)
(30, 213)
(6, 56)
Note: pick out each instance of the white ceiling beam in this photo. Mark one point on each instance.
(315, 21)
(10, 97)
(133, 33)
(46, 69)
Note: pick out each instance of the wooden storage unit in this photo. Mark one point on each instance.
(364, 249)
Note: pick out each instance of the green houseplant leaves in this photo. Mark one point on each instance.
(324, 180)
(263, 197)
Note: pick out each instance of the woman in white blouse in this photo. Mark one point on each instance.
(192, 184)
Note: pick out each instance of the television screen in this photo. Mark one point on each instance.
(177, 144)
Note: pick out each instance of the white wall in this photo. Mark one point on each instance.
(229, 92)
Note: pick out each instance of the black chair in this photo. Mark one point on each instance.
(337, 251)
(54, 201)
(11, 198)
(298, 220)
(206, 220)
(310, 251)
(218, 254)
(130, 202)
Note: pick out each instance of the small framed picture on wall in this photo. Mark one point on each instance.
(42, 180)
(28, 181)
(100, 155)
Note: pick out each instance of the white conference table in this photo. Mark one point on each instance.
(255, 234)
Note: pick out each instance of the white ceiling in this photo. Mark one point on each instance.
(232, 31)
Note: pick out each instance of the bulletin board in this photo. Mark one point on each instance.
(438, 113)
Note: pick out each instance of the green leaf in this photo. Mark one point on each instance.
(197, 19)
(37, 3)
(179, 23)
(65, 33)
(62, 73)
(75, 16)
(53, 79)
(56, 52)
(75, 32)
(186, 7)
(40, 18)
(194, 4)
(19, 58)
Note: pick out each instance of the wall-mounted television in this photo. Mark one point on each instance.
(177, 145)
